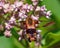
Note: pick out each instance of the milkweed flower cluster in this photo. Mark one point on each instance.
(19, 11)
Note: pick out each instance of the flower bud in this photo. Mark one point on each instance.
(19, 38)
(39, 31)
(7, 33)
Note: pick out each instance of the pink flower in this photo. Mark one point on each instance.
(18, 4)
(48, 17)
(6, 10)
(20, 32)
(7, 33)
(20, 20)
(3, 0)
(28, 10)
(1, 3)
(38, 8)
(23, 11)
(8, 26)
(48, 13)
(12, 20)
(30, 7)
(38, 31)
(43, 8)
(6, 6)
(12, 7)
(34, 17)
(22, 15)
(19, 38)
(25, 6)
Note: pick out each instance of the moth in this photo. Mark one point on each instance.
(29, 27)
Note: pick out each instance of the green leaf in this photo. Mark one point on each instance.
(6, 42)
(16, 36)
(54, 6)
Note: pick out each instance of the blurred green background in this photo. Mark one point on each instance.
(50, 34)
